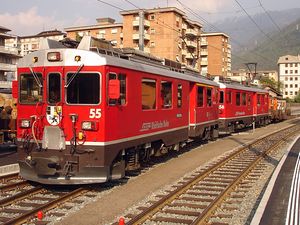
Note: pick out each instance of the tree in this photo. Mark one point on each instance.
(270, 82)
(297, 98)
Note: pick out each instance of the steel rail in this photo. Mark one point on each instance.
(153, 209)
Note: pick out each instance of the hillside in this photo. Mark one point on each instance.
(246, 38)
(267, 53)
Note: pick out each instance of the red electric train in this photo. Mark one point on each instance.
(87, 115)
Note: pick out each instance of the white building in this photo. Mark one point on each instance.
(8, 60)
(289, 75)
(27, 44)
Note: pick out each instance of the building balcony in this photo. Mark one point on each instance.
(8, 67)
(203, 52)
(191, 32)
(184, 26)
(203, 43)
(191, 44)
(203, 62)
(136, 23)
(137, 37)
(8, 50)
(229, 46)
(5, 84)
(190, 56)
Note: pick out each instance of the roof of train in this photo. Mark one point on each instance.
(241, 87)
(91, 58)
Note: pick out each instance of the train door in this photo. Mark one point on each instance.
(54, 97)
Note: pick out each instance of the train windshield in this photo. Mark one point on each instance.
(54, 88)
(30, 91)
(83, 89)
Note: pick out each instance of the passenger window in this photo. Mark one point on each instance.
(249, 99)
(238, 98)
(54, 88)
(79, 84)
(166, 94)
(228, 97)
(243, 98)
(122, 99)
(209, 96)
(148, 94)
(221, 100)
(258, 100)
(179, 95)
(200, 97)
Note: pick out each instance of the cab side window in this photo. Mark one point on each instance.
(200, 97)
(179, 95)
(238, 98)
(209, 96)
(122, 99)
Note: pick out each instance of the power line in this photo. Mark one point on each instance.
(106, 3)
(132, 4)
(270, 17)
(261, 30)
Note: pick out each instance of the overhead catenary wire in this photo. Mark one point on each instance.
(270, 17)
(253, 21)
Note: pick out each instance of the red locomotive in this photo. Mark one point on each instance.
(240, 106)
(86, 116)
(89, 114)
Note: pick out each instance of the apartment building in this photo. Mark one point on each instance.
(27, 44)
(215, 54)
(105, 29)
(8, 59)
(289, 75)
(162, 32)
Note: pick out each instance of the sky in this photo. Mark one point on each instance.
(30, 17)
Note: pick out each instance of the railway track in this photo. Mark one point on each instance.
(212, 195)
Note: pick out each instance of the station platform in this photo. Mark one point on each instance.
(280, 202)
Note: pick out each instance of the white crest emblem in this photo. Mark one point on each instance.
(54, 115)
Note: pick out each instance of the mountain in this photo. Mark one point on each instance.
(249, 44)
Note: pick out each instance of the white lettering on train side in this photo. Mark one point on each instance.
(154, 125)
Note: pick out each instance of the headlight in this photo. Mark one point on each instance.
(25, 123)
(89, 125)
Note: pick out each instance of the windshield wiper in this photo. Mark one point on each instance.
(37, 80)
(74, 75)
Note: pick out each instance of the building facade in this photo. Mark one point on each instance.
(8, 59)
(162, 32)
(215, 54)
(27, 44)
(289, 75)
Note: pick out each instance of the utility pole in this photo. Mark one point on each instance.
(251, 75)
(141, 30)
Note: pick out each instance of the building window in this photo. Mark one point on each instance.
(286, 71)
(166, 94)
(291, 93)
(286, 93)
(148, 94)
(291, 71)
(291, 78)
(296, 85)
(296, 64)
(152, 17)
(286, 86)
(152, 44)
(296, 78)
(286, 65)
(114, 31)
(286, 78)
(296, 71)
(296, 92)
(152, 31)
(291, 85)
(291, 64)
